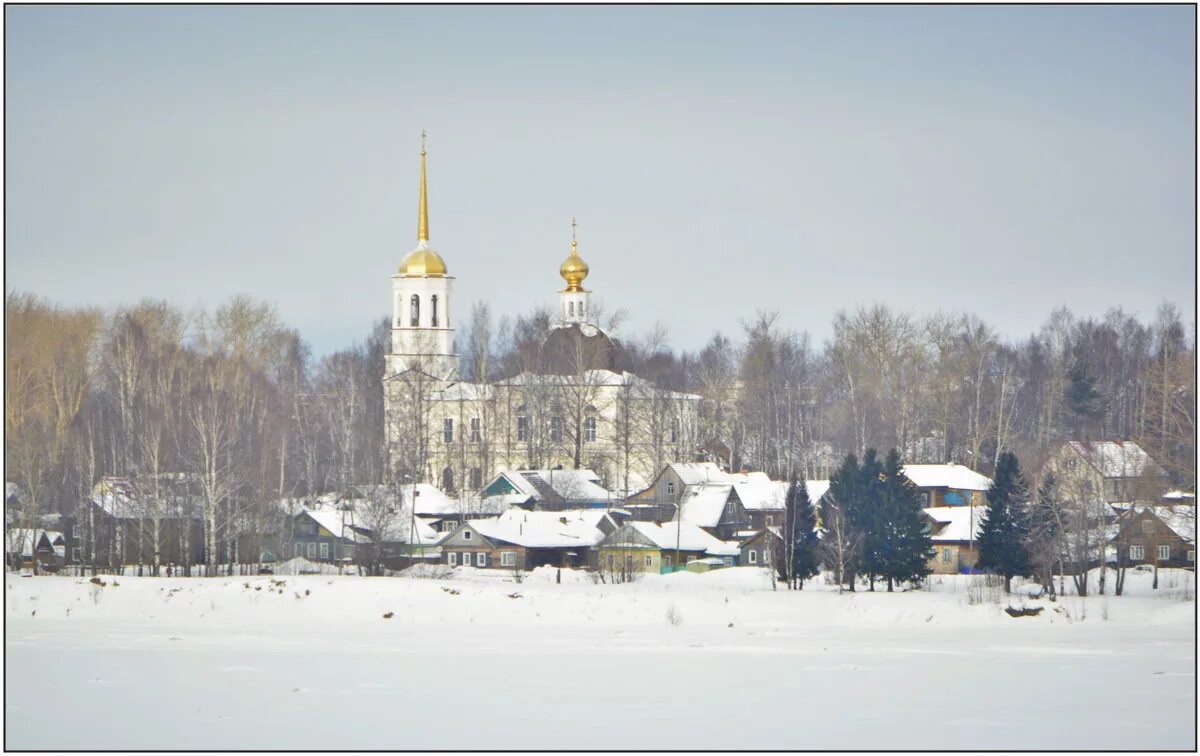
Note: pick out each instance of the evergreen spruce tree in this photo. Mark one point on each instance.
(1004, 528)
(1084, 404)
(902, 542)
(868, 517)
(842, 544)
(1041, 537)
(806, 557)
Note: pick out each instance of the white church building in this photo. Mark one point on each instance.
(573, 405)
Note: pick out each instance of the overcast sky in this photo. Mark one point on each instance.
(720, 160)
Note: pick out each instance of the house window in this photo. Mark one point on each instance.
(433, 318)
(522, 428)
(448, 430)
(481, 559)
(466, 535)
(670, 488)
(666, 558)
(475, 429)
(647, 560)
(770, 520)
(312, 550)
(766, 556)
(324, 551)
(753, 557)
(299, 549)
(556, 429)
(452, 558)
(589, 429)
(1191, 555)
(1164, 552)
(414, 311)
(509, 559)
(1137, 552)
(476, 478)
(75, 554)
(946, 555)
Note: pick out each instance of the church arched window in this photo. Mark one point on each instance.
(433, 317)
(589, 428)
(675, 430)
(581, 313)
(447, 480)
(570, 309)
(414, 311)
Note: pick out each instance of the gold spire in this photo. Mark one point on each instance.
(423, 262)
(574, 269)
(423, 213)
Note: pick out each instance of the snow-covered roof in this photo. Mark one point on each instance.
(758, 492)
(351, 518)
(128, 499)
(956, 524)
(1180, 518)
(340, 523)
(546, 530)
(639, 388)
(694, 473)
(1180, 496)
(690, 538)
(701, 505)
(1117, 459)
(953, 476)
(816, 489)
(26, 539)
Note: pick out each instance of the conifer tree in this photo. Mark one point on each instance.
(868, 517)
(1005, 526)
(902, 542)
(843, 542)
(806, 558)
(1042, 533)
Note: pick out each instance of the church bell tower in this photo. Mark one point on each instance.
(422, 329)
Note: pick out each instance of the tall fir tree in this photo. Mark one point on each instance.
(1042, 534)
(902, 541)
(843, 543)
(1084, 404)
(868, 517)
(1004, 528)
(805, 557)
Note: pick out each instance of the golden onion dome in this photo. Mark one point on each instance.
(574, 269)
(423, 261)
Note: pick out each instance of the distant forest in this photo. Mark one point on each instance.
(234, 396)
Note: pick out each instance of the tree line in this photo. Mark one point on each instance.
(235, 398)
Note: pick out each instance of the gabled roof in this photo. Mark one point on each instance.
(955, 524)
(1117, 459)
(546, 530)
(129, 499)
(816, 490)
(954, 476)
(757, 492)
(27, 539)
(702, 504)
(695, 473)
(1181, 519)
(690, 538)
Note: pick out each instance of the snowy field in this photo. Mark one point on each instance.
(685, 661)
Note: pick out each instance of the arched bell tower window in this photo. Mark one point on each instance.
(570, 309)
(414, 311)
(433, 311)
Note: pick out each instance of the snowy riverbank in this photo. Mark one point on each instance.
(692, 661)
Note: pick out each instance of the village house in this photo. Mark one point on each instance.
(1116, 471)
(954, 531)
(1164, 536)
(45, 549)
(949, 485)
(520, 539)
(759, 549)
(650, 547)
(125, 524)
(546, 490)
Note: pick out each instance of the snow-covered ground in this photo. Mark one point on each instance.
(683, 661)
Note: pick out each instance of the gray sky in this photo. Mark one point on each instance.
(1002, 160)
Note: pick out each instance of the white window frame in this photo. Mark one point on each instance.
(946, 552)
(1191, 555)
(466, 535)
(1164, 552)
(324, 550)
(648, 561)
(670, 488)
(481, 559)
(589, 429)
(508, 559)
(452, 558)
(1137, 552)
(312, 549)
(766, 556)
(475, 436)
(522, 428)
(753, 556)
(448, 430)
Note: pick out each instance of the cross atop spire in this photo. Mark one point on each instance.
(572, 231)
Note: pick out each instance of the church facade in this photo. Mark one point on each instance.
(574, 404)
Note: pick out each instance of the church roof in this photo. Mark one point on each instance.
(572, 347)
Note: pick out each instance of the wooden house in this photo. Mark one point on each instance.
(520, 539)
(1164, 536)
(1117, 472)
(949, 485)
(954, 531)
(547, 490)
(650, 547)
